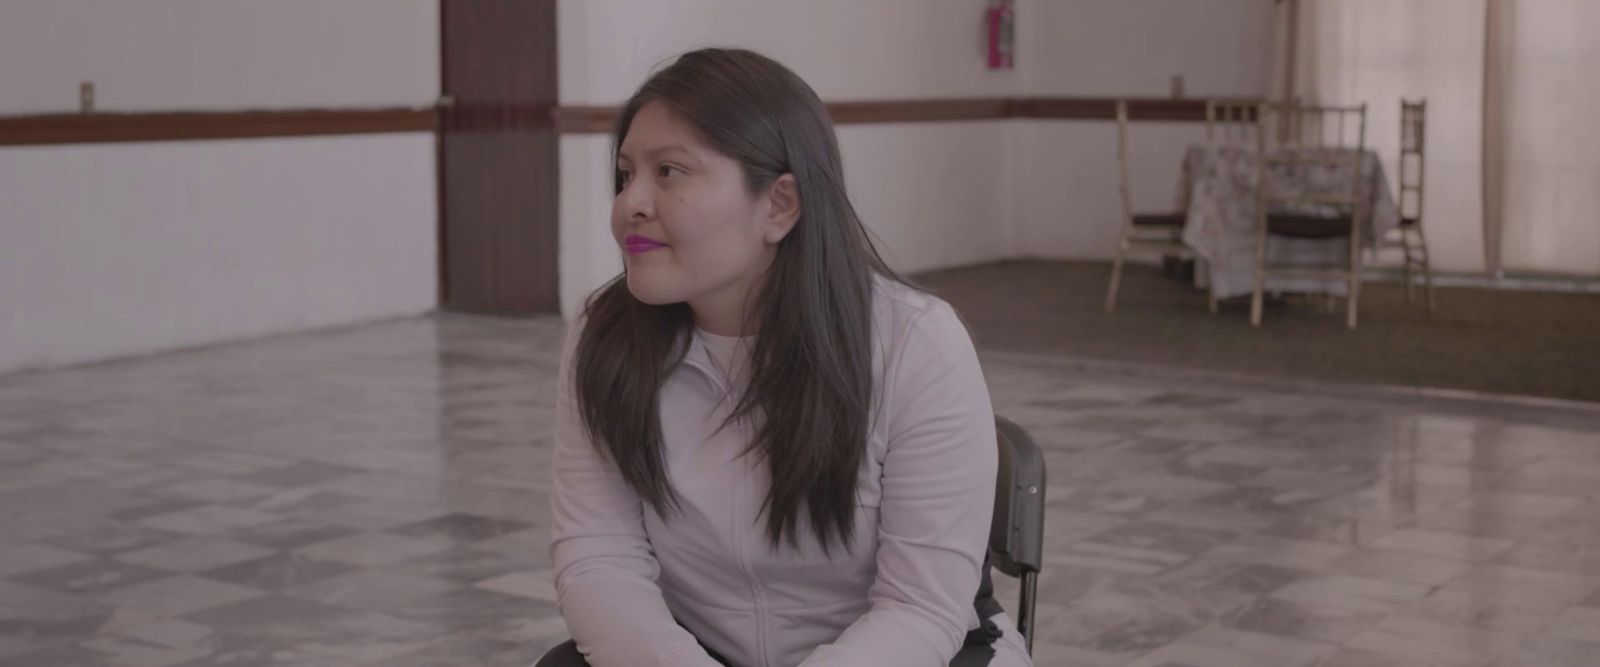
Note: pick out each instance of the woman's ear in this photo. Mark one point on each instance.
(783, 209)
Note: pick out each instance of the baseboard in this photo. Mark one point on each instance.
(1510, 281)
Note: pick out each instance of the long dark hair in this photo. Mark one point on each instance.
(811, 384)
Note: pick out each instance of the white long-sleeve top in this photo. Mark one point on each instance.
(637, 589)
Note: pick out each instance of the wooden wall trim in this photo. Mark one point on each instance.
(78, 128)
(91, 128)
(598, 119)
(921, 111)
(1105, 108)
(584, 120)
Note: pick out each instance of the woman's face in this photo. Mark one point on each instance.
(689, 229)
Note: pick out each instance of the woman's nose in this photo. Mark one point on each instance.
(635, 202)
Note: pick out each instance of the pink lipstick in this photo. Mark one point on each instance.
(638, 245)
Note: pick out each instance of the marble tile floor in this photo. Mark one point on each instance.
(376, 496)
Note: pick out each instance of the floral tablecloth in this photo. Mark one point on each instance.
(1218, 190)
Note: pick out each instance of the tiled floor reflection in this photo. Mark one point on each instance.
(376, 496)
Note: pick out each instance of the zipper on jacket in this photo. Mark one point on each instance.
(758, 596)
(741, 523)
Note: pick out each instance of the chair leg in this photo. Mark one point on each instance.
(1427, 269)
(1255, 305)
(1255, 295)
(1211, 283)
(1427, 284)
(1116, 278)
(1405, 247)
(1353, 303)
(1025, 611)
(1354, 290)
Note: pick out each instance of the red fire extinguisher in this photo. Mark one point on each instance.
(1001, 23)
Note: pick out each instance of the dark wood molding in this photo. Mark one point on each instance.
(93, 128)
(921, 111)
(584, 120)
(599, 119)
(1105, 108)
(80, 128)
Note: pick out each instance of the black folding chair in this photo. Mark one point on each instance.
(1016, 538)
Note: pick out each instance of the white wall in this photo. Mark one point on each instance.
(116, 249)
(898, 175)
(1025, 187)
(188, 243)
(846, 49)
(218, 54)
(1134, 47)
(1067, 190)
(933, 194)
(1068, 184)
(938, 194)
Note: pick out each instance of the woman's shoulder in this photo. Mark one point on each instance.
(905, 314)
(929, 362)
(898, 299)
(896, 293)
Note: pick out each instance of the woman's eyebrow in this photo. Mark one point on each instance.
(669, 150)
(660, 151)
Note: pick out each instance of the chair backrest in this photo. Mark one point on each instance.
(1313, 126)
(1413, 137)
(1231, 121)
(1122, 163)
(1016, 536)
(1413, 122)
(1312, 137)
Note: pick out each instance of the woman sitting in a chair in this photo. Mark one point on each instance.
(770, 450)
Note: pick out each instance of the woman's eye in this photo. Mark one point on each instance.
(665, 170)
(624, 175)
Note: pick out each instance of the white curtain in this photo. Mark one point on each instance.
(1551, 133)
(1495, 136)
(1529, 151)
